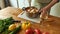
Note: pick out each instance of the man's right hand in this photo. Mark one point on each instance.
(43, 12)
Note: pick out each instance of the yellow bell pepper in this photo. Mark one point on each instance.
(26, 25)
(12, 27)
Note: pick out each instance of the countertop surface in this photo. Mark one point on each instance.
(52, 25)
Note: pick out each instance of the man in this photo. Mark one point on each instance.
(45, 6)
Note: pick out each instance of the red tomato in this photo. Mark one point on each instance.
(37, 31)
(29, 31)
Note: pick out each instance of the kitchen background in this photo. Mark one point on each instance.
(55, 10)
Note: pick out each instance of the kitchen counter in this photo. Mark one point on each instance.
(52, 26)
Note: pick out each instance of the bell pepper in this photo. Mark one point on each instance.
(26, 25)
(16, 30)
(12, 27)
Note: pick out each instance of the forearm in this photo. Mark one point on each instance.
(51, 4)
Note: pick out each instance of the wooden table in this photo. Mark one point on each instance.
(53, 27)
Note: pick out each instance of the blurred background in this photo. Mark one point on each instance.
(55, 10)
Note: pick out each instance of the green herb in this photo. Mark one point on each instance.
(4, 24)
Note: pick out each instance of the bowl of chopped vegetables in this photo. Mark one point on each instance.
(32, 12)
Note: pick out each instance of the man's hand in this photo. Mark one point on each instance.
(46, 8)
(43, 12)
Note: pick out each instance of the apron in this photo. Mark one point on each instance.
(41, 3)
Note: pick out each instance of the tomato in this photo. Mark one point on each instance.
(37, 31)
(29, 31)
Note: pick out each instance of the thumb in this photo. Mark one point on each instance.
(42, 13)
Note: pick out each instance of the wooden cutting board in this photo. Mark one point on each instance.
(53, 27)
